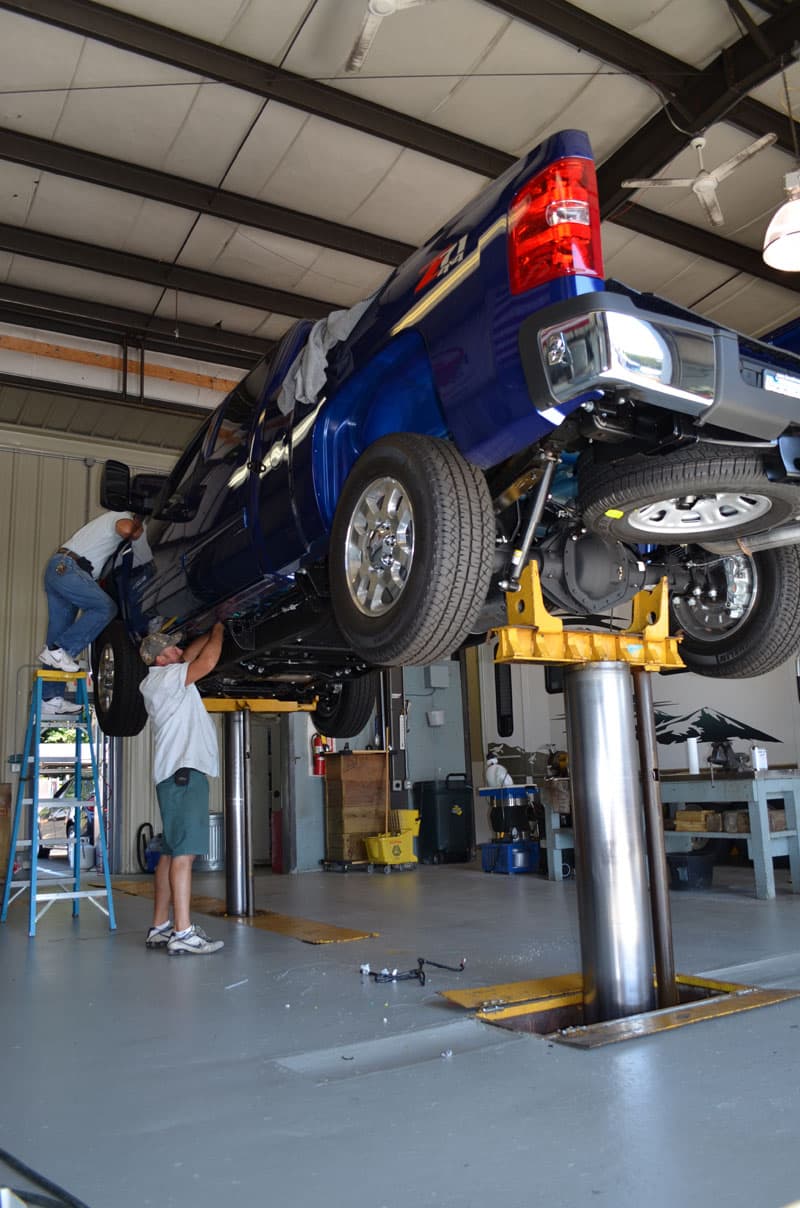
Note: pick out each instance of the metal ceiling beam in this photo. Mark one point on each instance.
(700, 241)
(708, 97)
(96, 320)
(740, 67)
(46, 155)
(672, 77)
(159, 406)
(252, 75)
(54, 248)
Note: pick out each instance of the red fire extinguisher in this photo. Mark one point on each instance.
(319, 748)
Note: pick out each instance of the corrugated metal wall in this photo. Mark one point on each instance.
(49, 487)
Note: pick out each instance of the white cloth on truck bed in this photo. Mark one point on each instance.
(306, 375)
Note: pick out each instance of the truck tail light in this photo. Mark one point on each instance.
(554, 226)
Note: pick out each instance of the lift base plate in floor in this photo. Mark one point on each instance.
(553, 1007)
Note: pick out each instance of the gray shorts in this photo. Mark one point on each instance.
(184, 815)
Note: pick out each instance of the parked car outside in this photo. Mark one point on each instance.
(369, 494)
(57, 821)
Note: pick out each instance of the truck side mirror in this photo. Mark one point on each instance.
(115, 487)
(145, 492)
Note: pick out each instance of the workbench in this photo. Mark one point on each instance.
(725, 790)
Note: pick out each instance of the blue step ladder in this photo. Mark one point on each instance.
(29, 803)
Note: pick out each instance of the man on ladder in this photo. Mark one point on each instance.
(78, 609)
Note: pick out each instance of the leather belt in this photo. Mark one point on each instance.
(83, 563)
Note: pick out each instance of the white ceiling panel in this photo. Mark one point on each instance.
(773, 92)
(691, 30)
(345, 278)
(417, 196)
(126, 106)
(254, 27)
(714, 290)
(19, 184)
(266, 30)
(265, 147)
(218, 119)
(270, 259)
(248, 254)
(209, 312)
(76, 210)
(322, 168)
(274, 326)
(749, 305)
(207, 19)
(35, 56)
(78, 283)
(648, 265)
(6, 262)
(529, 85)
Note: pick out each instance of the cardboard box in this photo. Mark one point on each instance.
(698, 820)
(777, 820)
(736, 822)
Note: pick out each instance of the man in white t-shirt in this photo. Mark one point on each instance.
(77, 607)
(186, 754)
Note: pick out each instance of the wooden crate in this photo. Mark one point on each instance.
(698, 820)
(355, 802)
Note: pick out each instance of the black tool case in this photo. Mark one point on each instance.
(447, 819)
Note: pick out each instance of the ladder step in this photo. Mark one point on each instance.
(65, 897)
(74, 760)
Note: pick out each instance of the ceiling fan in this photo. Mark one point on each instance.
(376, 11)
(704, 184)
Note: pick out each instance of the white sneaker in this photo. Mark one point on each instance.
(59, 660)
(194, 943)
(56, 706)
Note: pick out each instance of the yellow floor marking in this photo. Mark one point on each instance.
(512, 992)
(307, 930)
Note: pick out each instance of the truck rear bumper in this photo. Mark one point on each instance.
(604, 343)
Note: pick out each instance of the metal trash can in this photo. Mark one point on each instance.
(215, 860)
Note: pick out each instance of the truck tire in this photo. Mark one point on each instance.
(700, 493)
(117, 672)
(346, 711)
(763, 637)
(411, 551)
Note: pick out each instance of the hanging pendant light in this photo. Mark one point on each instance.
(782, 240)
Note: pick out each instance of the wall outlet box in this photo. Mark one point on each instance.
(437, 676)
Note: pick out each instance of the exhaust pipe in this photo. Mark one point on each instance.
(785, 534)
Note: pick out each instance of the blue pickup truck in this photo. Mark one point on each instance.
(368, 495)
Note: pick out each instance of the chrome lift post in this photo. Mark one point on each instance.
(238, 797)
(661, 914)
(610, 865)
(615, 891)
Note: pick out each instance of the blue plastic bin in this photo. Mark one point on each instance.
(520, 856)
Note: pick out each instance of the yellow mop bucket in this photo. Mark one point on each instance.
(397, 847)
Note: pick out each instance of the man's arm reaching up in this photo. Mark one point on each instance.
(203, 653)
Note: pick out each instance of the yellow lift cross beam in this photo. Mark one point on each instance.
(225, 704)
(534, 635)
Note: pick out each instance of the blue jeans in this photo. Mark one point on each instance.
(71, 591)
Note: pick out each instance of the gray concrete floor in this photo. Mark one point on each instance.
(273, 1072)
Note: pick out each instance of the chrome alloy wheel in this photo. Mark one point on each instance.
(104, 683)
(689, 517)
(723, 596)
(379, 547)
